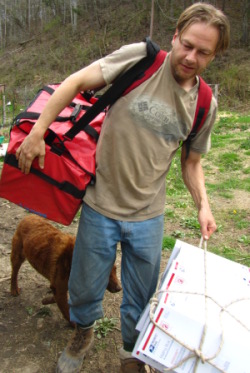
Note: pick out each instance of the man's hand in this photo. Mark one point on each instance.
(33, 146)
(207, 223)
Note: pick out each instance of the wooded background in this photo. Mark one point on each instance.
(43, 41)
(20, 19)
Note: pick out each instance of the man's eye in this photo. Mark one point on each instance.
(203, 53)
(187, 46)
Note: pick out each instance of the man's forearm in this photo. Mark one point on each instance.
(194, 180)
(193, 177)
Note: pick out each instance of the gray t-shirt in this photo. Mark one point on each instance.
(140, 136)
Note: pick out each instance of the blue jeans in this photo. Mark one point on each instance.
(94, 256)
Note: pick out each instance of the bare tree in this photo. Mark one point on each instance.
(28, 14)
(245, 35)
(73, 12)
(152, 19)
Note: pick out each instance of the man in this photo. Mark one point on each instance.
(139, 138)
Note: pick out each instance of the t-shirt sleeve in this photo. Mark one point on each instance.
(116, 63)
(202, 141)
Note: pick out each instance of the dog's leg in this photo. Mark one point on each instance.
(60, 291)
(17, 260)
(61, 298)
(114, 284)
(51, 298)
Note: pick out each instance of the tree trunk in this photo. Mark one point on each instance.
(73, 12)
(152, 20)
(245, 35)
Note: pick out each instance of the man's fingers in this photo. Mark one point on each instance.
(18, 153)
(41, 161)
(208, 231)
(24, 165)
(25, 162)
(30, 148)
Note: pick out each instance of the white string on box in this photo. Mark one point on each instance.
(197, 353)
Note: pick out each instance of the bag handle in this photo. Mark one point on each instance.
(116, 90)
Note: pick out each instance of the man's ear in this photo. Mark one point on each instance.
(174, 37)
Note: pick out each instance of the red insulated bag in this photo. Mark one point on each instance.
(56, 191)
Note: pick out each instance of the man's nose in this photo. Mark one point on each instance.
(191, 55)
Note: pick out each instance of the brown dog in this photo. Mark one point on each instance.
(49, 251)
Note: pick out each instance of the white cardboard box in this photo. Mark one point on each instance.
(181, 311)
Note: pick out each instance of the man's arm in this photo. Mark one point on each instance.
(193, 177)
(33, 146)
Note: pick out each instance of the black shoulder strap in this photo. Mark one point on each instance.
(117, 89)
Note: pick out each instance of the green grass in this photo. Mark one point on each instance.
(232, 254)
(168, 243)
(229, 161)
(231, 121)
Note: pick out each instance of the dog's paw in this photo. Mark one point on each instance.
(15, 291)
(114, 288)
(48, 300)
(72, 324)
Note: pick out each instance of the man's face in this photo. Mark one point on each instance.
(192, 52)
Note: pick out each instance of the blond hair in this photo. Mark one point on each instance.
(207, 13)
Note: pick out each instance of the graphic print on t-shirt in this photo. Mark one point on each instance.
(157, 117)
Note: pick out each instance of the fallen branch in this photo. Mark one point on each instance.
(4, 279)
(22, 43)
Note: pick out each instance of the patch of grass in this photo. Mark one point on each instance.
(221, 141)
(240, 219)
(232, 254)
(44, 312)
(190, 222)
(228, 123)
(104, 326)
(78, 214)
(179, 234)
(245, 144)
(174, 183)
(168, 243)
(29, 310)
(181, 204)
(226, 187)
(237, 220)
(169, 213)
(229, 161)
(244, 239)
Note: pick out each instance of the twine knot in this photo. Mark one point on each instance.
(200, 355)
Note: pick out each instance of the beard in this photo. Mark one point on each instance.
(182, 71)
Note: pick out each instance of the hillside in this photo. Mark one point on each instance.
(38, 56)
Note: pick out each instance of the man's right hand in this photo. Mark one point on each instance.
(33, 146)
